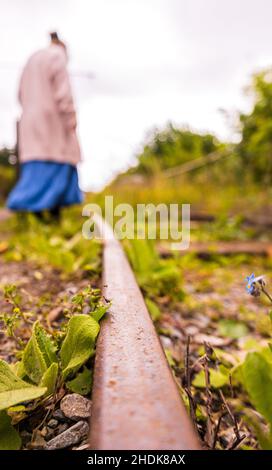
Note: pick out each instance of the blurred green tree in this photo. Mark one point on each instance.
(255, 147)
(7, 173)
(172, 147)
(4, 156)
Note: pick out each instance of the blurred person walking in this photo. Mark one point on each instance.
(48, 146)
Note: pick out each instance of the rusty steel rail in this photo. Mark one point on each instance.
(136, 403)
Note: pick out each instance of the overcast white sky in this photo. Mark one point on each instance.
(152, 61)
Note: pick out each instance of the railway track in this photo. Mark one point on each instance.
(136, 403)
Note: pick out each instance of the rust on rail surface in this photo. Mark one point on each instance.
(136, 403)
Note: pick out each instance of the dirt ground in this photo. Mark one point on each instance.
(215, 326)
(42, 291)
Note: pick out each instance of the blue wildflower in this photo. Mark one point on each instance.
(251, 286)
(250, 280)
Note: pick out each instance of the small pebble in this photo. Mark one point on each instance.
(86, 310)
(82, 446)
(72, 289)
(62, 427)
(49, 434)
(166, 342)
(43, 431)
(191, 330)
(76, 407)
(59, 416)
(38, 441)
(53, 423)
(70, 437)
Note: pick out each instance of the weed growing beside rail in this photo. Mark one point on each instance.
(210, 329)
(50, 307)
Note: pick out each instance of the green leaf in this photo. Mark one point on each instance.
(49, 378)
(232, 329)
(14, 390)
(217, 379)
(9, 438)
(251, 344)
(18, 369)
(39, 354)
(17, 409)
(237, 374)
(78, 344)
(99, 312)
(82, 383)
(257, 379)
(45, 343)
(264, 439)
(153, 309)
(169, 357)
(266, 352)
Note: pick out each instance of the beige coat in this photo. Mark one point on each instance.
(47, 129)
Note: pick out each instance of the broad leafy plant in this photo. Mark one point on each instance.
(256, 375)
(156, 277)
(49, 362)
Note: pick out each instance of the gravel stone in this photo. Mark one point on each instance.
(166, 342)
(59, 416)
(70, 437)
(62, 427)
(53, 423)
(76, 407)
(50, 433)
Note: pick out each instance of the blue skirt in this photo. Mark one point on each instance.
(45, 185)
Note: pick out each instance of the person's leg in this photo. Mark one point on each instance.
(40, 215)
(55, 213)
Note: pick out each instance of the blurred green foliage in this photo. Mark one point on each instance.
(4, 156)
(7, 180)
(61, 246)
(171, 147)
(157, 277)
(250, 159)
(255, 148)
(7, 173)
